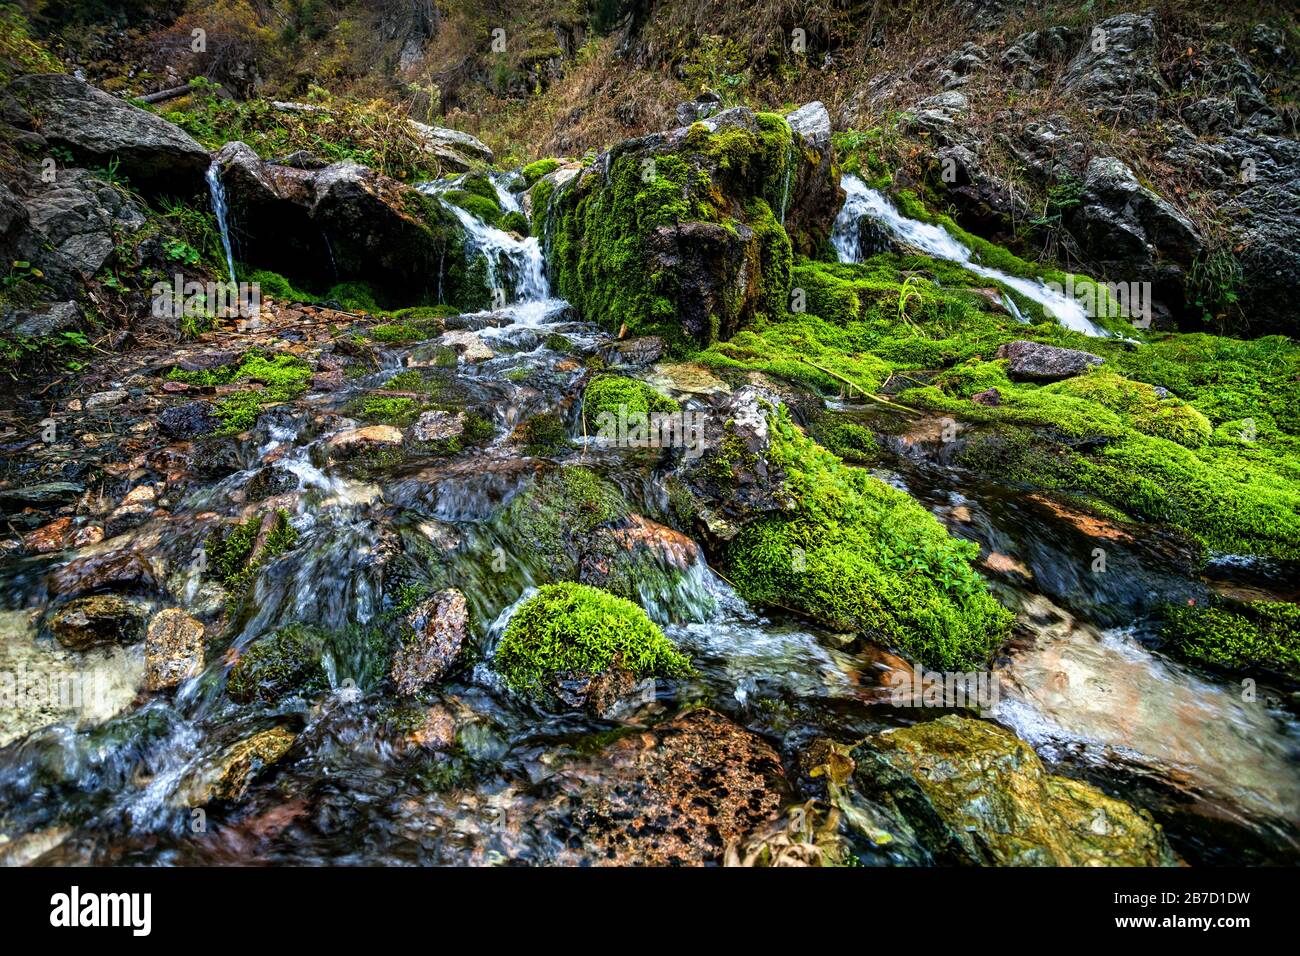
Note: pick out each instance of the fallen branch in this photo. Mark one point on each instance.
(862, 391)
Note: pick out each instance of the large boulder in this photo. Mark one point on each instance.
(687, 234)
(973, 793)
(345, 221)
(1034, 361)
(83, 218)
(1115, 73)
(1129, 231)
(99, 129)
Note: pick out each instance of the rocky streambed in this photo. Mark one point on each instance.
(328, 586)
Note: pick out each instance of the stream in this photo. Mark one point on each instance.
(1081, 681)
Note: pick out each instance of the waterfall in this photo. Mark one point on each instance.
(218, 191)
(863, 202)
(513, 264)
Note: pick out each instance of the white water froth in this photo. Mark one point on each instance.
(864, 202)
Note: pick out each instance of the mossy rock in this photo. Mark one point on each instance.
(573, 632)
(618, 394)
(555, 516)
(680, 234)
(976, 794)
(284, 663)
(859, 555)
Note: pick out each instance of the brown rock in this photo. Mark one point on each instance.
(677, 794)
(173, 649)
(356, 441)
(49, 538)
(439, 627)
(227, 775)
(99, 619)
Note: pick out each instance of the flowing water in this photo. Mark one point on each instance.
(221, 211)
(862, 202)
(1078, 682)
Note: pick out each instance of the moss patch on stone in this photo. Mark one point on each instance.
(575, 629)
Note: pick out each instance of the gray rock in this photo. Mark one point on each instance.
(438, 425)
(42, 321)
(1118, 78)
(107, 399)
(1127, 228)
(813, 123)
(702, 107)
(98, 129)
(1038, 362)
(187, 420)
(45, 493)
(83, 218)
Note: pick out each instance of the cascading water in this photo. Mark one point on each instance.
(863, 202)
(218, 191)
(515, 265)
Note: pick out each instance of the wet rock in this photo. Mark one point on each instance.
(1037, 362)
(631, 557)
(635, 352)
(991, 397)
(188, 420)
(732, 482)
(98, 619)
(468, 345)
(432, 729)
(49, 538)
(104, 399)
(113, 570)
(357, 441)
(216, 457)
(976, 793)
(42, 495)
(675, 795)
(98, 129)
(270, 480)
(173, 646)
(345, 222)
(601, 695)
(227, 775)
(126, 517)
(438, 425)
(439, 627)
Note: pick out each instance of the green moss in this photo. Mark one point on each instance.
(861, 555)
(396, 333)
(1248, 636)
(285, 662)
(823, 293)
(572, 629)
(355, 296)
(284, 377)
(610, 393)
(1140, 406)
(599, 229)
(515, 221)
(561, 509)
(230, 549)
(544, 434)
(478, 206)
(535, 171)
(415, 380)
(277, 287)
(385, 410)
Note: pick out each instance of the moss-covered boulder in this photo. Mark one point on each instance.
(347, 222)
(283, 663)
(681, 234)
(975, 793)
(799, 529)
(583, 647)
